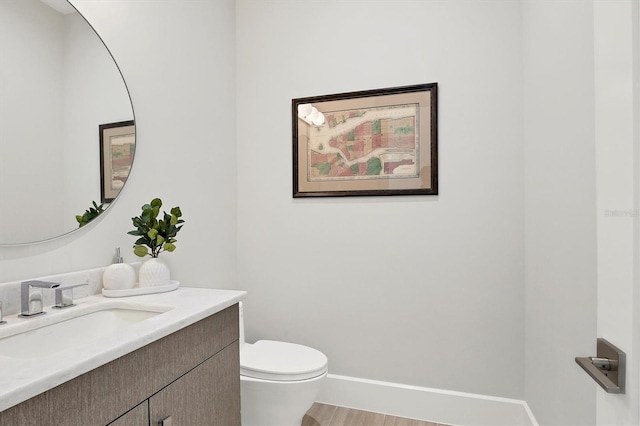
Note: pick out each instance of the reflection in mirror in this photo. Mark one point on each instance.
(58, 84)
(117, 148)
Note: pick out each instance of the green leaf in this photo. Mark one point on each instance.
(90, 214)
(140, 251)
(156, 232)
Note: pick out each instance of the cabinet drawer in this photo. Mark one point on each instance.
(207, 395)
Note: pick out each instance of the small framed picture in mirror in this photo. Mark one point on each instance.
(374, 142)
(117, 148)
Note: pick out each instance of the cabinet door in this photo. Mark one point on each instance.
(137, 416)
(207, 395)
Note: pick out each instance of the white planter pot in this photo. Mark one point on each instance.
(154, 272)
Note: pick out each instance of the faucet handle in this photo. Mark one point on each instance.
(64, 296)
(1, 320)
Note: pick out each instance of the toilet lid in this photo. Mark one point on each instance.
(280, 361)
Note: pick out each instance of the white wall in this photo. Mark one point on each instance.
(179, 76)
(581, 174)
(418, 290)
(560, 205)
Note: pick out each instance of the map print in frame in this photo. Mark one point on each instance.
(117, 148)
(376, 142)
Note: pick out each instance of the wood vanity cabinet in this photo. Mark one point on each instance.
(191, 377)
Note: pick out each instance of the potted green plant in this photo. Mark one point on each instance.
(155, 236)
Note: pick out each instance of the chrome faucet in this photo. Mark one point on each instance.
(64, 296)
(2, 321)
(31, 297)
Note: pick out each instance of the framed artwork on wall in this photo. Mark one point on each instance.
(117, 147)
(367, 143)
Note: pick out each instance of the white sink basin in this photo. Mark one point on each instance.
(41, 364)
(59, 331)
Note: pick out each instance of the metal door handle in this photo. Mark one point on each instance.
(607, 368)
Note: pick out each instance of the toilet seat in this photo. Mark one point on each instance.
(281, 361)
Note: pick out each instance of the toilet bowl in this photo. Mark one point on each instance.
(279, 381)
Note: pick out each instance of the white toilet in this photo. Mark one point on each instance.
(278, 381)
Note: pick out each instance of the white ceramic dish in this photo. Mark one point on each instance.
(138, 291)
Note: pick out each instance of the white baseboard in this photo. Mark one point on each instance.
(428, 404)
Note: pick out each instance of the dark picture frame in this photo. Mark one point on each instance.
(117, 148)
(367, 143)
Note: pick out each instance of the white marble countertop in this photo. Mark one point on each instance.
(23, 378)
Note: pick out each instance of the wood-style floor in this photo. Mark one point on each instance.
(330, 415)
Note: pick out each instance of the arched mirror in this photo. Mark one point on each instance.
(67, 137)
